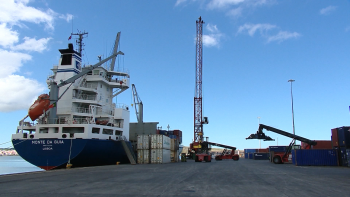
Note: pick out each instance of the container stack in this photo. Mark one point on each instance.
(160, 148)
(175, 134)
(143, 149)
(341, 143)
(247, 151)
(174, 150)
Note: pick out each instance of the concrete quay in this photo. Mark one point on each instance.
(219, 178)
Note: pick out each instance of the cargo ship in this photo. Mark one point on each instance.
(78, 124)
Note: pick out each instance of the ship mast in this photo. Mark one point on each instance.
(79, 41)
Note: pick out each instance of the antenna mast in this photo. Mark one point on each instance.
(79, 41)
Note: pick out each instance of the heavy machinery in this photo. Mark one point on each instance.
(279, 158)
(226, 153)
(196, 147)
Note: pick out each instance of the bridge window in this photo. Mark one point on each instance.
(107, 131)
(73, 130)
(66, 59)
(95, 130)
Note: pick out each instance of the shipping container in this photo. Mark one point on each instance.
(261, 156)
(348, 156)
(174, 156)
(163, 132)
(177, 133)
(315, 157)
(344, 136)
(180, 140)
(250, 155)
(262, 150)
(143, 156)
(246, 155)
(335, 137)
(160, 156)
(249, 150)
(278, 148)
(174, 144)
(160, 142)
(170, 133)
(321, 144)
(143, 142)
(343, 160)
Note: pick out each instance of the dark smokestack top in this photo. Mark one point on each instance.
(70, 46)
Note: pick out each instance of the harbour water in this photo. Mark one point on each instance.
(15, 164)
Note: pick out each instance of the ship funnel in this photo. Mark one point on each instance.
(70, 46)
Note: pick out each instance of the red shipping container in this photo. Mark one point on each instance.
(335, 140)
(157, 132)
(178, 133)
(262, 150)
(323, 144)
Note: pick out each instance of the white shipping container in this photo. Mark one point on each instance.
(154, 155)
(143, 156)
(163, 142)
(140, 156)
(142, 142)
(146, 156)
(154, 141)
(145, 143)
(160, 156)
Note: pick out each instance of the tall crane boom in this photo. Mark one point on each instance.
(198, 120)
(138, 105)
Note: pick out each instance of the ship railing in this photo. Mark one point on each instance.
(83, 110)
(100, 111)
(89, 85)
(122, 106)
(85, 97)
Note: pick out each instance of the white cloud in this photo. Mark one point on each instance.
(252, 28)
(236, 12)
(178, 2)
(11, 62)
(20, 92)
(31, 44)
(7, 36)
(210, 40)
(283, 35)
(15, 11)
(67, 17)
(223, 3)
(265, 31)
(328, 10)
(212, 28)
(213, 38)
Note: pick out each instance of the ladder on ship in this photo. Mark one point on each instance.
(129, 153)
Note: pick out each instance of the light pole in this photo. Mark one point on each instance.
(291, 94)
(259, 139)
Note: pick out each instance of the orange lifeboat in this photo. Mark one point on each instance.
(38, 107)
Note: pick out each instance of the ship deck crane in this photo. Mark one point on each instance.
(138, 104)
(279, 158)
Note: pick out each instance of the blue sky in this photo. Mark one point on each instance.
(251, 49)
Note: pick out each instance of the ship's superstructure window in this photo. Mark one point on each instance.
(107, 131)
(95, 130)
(118, 133)
(66, 59)
(96, 72)
(44, 130)
(73, 130)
